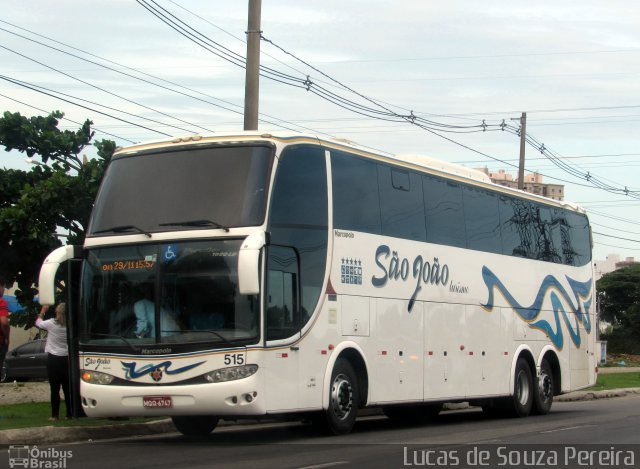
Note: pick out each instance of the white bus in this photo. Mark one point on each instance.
(270, 274)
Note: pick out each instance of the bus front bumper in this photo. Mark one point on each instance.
(240, 397)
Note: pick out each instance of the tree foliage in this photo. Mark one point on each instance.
(619, 296)
(55, 196)
(619, 291)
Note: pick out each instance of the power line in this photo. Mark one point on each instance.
(594, 181)
(66, 118)
(411, 118)
(103, 90)
(212, 46)
(618, 247)
(382, 112)
(24, 85)
(163, 124)
(617, 229)
(151, 76)
(617, 237)
(612, 217)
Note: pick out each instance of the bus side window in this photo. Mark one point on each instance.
(401, 204)
(283, 312)
(444, 212)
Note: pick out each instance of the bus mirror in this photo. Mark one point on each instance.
(46, 282)
(249, 263)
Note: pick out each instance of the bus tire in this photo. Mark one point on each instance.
(344, 397)
(195, 425)
(522, 400)
(543, 390)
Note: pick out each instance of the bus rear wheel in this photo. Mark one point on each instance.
(195, 425)
(543, 392)
(522, 400)
(344, 397)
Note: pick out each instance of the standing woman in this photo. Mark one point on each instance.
(57, 358)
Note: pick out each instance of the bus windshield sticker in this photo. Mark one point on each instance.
(169, 252)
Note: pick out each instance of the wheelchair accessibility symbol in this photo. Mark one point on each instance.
(170, 251)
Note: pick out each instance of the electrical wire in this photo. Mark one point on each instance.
(24, 85)
(379, 111)
(617, 237)
(163, 124)
(96, 129)
(102, 89)
(618, 247)
(155, 78)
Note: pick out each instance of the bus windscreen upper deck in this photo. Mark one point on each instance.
(177, 189)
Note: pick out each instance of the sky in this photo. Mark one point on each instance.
(572, 66)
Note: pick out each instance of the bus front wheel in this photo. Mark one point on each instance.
(341, 414)
(195, 425)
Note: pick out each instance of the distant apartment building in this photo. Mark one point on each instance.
(629, 261)
(611, 263)
(533, 182)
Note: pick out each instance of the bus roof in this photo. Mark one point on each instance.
(421, 162)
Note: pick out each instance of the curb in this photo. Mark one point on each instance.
(50, 434)
(591, 395)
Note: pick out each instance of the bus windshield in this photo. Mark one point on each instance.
(208, 187)
(177, 293)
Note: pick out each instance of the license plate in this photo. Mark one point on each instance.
(157, 402)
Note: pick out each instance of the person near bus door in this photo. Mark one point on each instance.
(57, 358)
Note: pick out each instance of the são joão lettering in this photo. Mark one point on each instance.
(396, 268)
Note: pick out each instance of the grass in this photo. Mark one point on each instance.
(616, 381)
(35, 414)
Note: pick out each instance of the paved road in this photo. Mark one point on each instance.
(376, 442)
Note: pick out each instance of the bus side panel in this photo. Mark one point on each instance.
(485, 344)
(281, 368)
(444, 373)
(397, 374)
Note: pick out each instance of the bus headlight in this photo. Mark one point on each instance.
(96, 377)
(231, 374)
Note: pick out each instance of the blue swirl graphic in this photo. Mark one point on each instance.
(132, 373)
(558, 296)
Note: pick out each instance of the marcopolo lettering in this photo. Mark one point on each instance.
(399, 269)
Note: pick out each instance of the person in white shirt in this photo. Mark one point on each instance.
(57, 358)
(144, 310)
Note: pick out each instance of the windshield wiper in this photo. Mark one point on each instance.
(218, 335)
(199, 223)
(124, 229)
(114, 336)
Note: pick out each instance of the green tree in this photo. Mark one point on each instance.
(55, 195)
(619, 296)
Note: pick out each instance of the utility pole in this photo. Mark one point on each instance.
(252, 79)
(523, 142)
